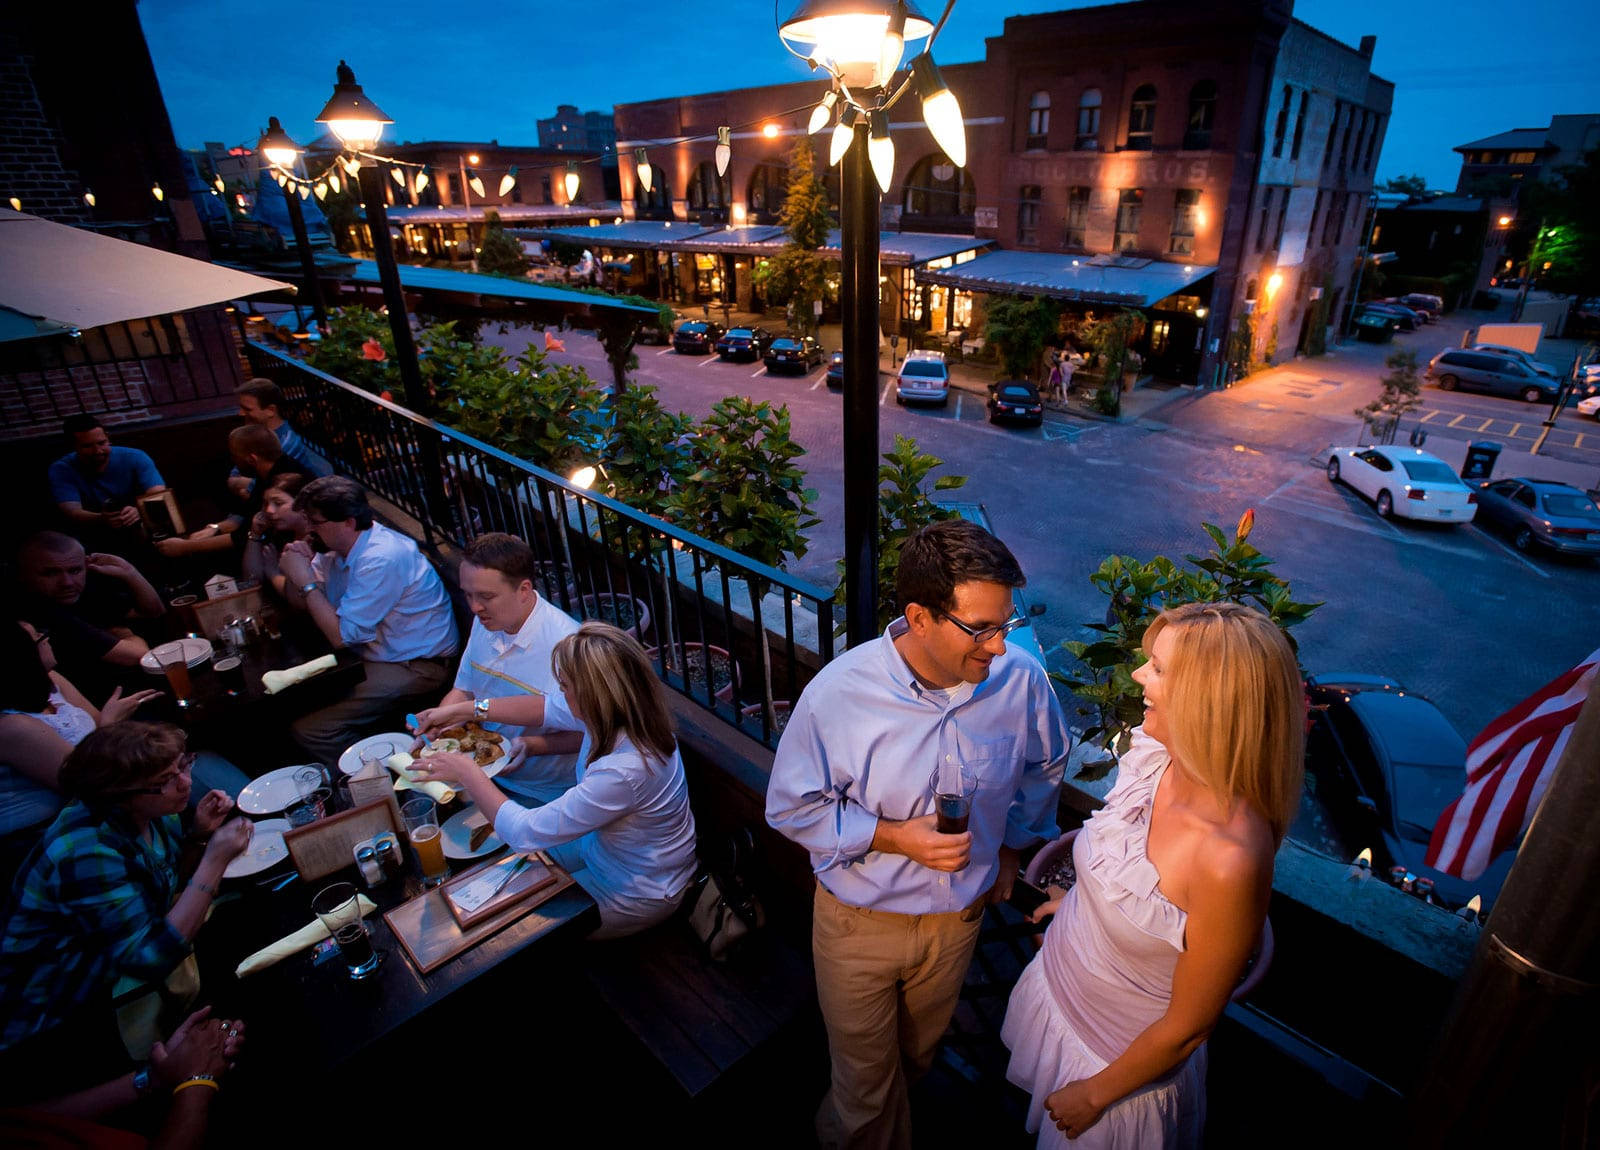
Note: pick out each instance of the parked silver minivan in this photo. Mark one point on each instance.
(1496, 374)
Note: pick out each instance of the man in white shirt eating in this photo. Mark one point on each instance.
(506, 668)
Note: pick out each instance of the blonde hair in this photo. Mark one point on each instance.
(608, 679)
(1235, 710)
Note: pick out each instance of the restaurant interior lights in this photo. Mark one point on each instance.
(642, 163)
(724, 149)
(570, 180)
(356, 120)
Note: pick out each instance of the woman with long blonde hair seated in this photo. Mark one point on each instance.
(1107, 1026)
(625, 831)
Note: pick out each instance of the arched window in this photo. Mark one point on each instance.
(1202, 115)
(938, 195)
(769, 188)
(1282, 125)
(708, 192)
(1038, 120)
(1142, 119)
(1087, 138)
(656, 204)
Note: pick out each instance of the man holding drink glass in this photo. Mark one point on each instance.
(899, 901)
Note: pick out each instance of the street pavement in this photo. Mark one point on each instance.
(1452, 612)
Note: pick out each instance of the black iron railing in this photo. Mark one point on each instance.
(688, 599)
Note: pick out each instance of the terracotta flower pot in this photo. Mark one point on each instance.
(724, 671)
(621, 611)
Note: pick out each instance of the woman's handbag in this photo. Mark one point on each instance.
(723, 907)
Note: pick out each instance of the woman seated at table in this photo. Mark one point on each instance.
(274, 526)
(114, 889)
(625, 830)
(42, 717)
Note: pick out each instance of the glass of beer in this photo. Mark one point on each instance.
(953, 785)
(422, 828)
(173, 661)
(338, 910)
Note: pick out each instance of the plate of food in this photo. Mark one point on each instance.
(266, 850)
(458, 835)
(489, 749)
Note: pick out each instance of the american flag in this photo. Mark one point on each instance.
(1508, 766)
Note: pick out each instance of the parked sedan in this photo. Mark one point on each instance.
(1404, 317)
(1404, 481)
(749, 343)
(1554, 515)
(1015, 399)
(836, 369)
(793, 353)
(696, 337)
(1590, 406)
(1386, 764)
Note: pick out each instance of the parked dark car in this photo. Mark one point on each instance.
(1486, 371)
(1016, 400)
(748, 343)
(1536, 511)
(696, 337)
(797, 353)
(836, 369)
(1404, 317)
(1385, 764)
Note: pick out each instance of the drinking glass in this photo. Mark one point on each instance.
(379, 753)
(340, 912)
(952, 785)
(311, 784)
(422, 828)
(173, 661)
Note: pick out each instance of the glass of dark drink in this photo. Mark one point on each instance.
(952, 785)
(338, 909)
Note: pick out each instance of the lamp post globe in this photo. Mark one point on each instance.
(356, 120)
(856, 37)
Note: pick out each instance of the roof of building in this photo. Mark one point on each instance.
(423, 214)
(899, 249)
(1468, 204)
(470, 283)
(1517, 139)
(61, 279)
(1097, 279)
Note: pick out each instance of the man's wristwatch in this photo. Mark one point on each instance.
(480, 710)
(141, 1081)
(307, 588)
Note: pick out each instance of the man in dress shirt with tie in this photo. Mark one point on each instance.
(369, 588)
(898, 904)
(506, 666)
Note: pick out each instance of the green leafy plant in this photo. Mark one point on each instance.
(1233, 571)
(1110, 337)
(1401, 394)
(499, 253)
(1018, 327)
(904, 508)
(797, 276)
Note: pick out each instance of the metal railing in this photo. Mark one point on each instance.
(724, 631)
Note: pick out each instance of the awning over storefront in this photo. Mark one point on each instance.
(556, 214)
(895, 249)
(661, 234)
(61, 279)
(498, 287)
(1128, 280)
(908, 249)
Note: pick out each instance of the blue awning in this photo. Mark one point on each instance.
(895, 249)
(470, 283)
(1128, 280)
(628, 234)
(559, 214)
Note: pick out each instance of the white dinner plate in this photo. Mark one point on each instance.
(350, 761)
(195, 652)
(457, 836)
(272, 793)
(266, 850)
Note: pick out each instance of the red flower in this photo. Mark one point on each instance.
(551, 343)
(373, 350)
(385, 395)
(1246, 522)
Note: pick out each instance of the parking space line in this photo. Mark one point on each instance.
(884, 398)
(1487, 424)
(1511, 551)
(821, 379)
(960, 395)
(710, 359)
(1456, 420)
(762, 370)
(1430, 415)
(667, 351)
(1578, 442)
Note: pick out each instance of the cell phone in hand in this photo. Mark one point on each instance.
(1026, 897)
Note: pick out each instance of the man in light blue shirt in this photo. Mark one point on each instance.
(898, 904)
(261, 403)
(370, 588)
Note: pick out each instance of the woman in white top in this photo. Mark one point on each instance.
(625, 830)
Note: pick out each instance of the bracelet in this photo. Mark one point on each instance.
(196, 1080)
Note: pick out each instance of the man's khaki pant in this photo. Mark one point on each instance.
(888, 984)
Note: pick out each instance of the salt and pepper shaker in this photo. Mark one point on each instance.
(388, 852)
(372, 872)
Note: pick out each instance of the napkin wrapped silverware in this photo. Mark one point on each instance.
(275, 681)
(308, 935)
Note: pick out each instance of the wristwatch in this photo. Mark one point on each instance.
(480, 708)
(308, 588)
(141, 1081)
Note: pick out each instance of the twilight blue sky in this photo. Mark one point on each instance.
(1463, 69)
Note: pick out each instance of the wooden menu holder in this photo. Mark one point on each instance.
(327, 845)
(160, 513)
(211, 614)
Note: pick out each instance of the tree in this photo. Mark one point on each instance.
(1402, 393)
(1565, 227)
(566, 253)
(499, 253)
(1110, 338)
(1019, 327)
(1410, 185)
(797, 275)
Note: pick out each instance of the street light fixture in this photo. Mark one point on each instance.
(282, 153)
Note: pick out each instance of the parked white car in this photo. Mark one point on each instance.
(923, 378)
(1590, 406)
(1404, 481)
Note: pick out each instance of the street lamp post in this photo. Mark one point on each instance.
(858, 296)
(282, 152)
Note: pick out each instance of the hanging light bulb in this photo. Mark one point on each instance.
(88, 196)
(508, 181)
(880, 150)
(304, 190)
(220, 186)
(352, 166)
(322, 191)
(476, 183)
(16, 204)
(421, 181)
(281, 178)
(894, 43)
(820, 114)
(940, 110)
(843, 133)
(155, 190)
(333, 182)
(397, 176)
(570, 180)
(724, 149)
(642, 163)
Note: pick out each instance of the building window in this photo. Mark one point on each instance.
(1361, 135)
(656, 204)
(708, 192)
(1266, 214)
(1202, 114)
(1185, 207)
(1520, 158)
(1335, 211)
(1333, 133)
(1130, 208)
(1299, 125)
(1077, 218)
(1088, 136)
(1372, 142)
(769, 188)
(545, 191)
(1038, 121)
(1028, 216)
(937, 189)
(1142, 119)
(1316, 214)
(1283, 215)
(1344, 149)
(1282, 125)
